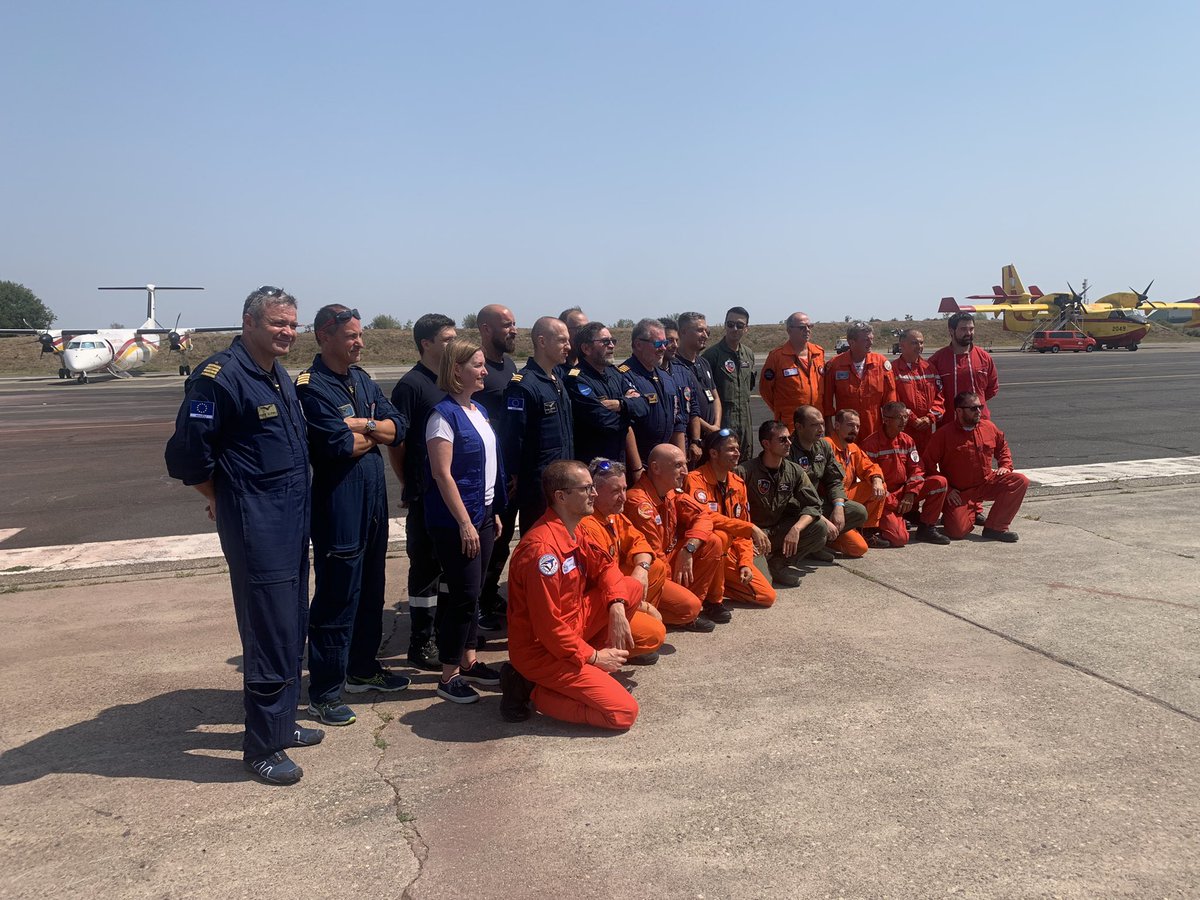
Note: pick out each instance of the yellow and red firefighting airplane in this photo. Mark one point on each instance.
(88, 351)
(1115, 320)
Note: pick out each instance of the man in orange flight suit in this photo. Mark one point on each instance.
(918, 387)
(609, 527)
(679, 530)
(793, 373)
(859, 379)
(909, 488)
(962, 451)
(723, 491)
(864, 480)
(562, 592)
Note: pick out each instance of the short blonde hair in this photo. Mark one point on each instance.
(459, 351)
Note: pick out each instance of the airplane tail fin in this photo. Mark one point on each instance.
(1012, 282)
(1035, 291)
(949, 305)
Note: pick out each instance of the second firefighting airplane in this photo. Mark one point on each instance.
(89, 351)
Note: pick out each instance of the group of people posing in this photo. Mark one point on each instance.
(644, 495)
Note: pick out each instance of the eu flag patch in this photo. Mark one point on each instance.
(200, 409)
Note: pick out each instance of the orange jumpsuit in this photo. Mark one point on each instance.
(919, 387)
(668, 524)
(900, 462)
(622, 542)
(788, 382)
(730, 510)
(559, 588)
(965, 459)
(843, 389)
(859, 471)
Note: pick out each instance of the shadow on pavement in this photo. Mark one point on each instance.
(156, 738)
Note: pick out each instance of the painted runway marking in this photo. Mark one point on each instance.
(137, 551)
(1008, 384)
(6, 533)
(1096, 473)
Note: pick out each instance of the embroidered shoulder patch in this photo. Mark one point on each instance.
(646, 510)
(887, 365)
(913, 455)
(548, 565)
(701, 496)
(200, 409)
(517, 403)
(769, 374)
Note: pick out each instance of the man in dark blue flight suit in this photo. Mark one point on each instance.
(693, 338)
(348, 419)
(603, 401)
(666, 421)
(686, 384)
(537, 427)
(240, 441)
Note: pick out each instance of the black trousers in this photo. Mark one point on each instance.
(458, 593)
(423, 574)
(490, 601)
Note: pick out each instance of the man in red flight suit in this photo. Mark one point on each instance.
(859, 379)
(896, 455)
(918, 387)
(863, 479)
(963, 451)
(794, 371)
(964, 367)
(723, 491)
(679, 530)
(563, 588)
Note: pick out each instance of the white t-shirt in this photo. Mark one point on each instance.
(438, 427)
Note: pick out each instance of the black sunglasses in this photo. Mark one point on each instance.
(268, 291)
(606, 341)
(346, 315)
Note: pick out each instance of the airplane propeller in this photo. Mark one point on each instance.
(1143, 296)
(175, 337)
(44, 338)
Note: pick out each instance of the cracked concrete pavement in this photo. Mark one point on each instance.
(980, 719)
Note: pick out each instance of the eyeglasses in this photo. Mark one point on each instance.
(586, 488)
(736, 326)
(608, 342)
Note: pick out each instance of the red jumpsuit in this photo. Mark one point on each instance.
(843, 389)
(668, 524)
(965, 459)
(900, 462)
(788, 382)
(730, 510)
(919, 387)
(973, 370)
(559, 587)
(622, 542)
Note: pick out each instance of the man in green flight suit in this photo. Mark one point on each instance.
(733, 371)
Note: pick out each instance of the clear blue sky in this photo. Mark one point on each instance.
(634, 158)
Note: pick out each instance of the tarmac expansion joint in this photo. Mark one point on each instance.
(408, 825)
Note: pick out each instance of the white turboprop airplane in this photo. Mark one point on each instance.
(118, 350)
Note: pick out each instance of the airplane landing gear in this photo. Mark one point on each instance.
(64, 373)
(185, 370)
(1133, 346)
(82, 379)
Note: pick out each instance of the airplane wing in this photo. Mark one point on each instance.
(213, 329)
(21, 330)
(1155, 304)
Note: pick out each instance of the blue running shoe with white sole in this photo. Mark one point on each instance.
(333, 713)
(275, 768)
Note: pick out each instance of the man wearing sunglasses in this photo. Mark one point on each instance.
(240, 441)
(693, 339)
(665, 421)
(349, 419)
(962, 451)
(794, 371)
(604, 402)
(733, 370)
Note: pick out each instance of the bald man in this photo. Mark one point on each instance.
(536, 428)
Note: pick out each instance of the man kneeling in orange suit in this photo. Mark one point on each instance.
(679, 530)
(609, 527)
(573, 618)
(864, 480)
(716, 485)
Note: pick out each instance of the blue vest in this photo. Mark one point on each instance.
(467, 466)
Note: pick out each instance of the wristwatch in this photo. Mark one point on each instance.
(370, 424)
(645, 565)
(692, 546)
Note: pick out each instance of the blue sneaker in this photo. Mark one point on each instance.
(383, 680)
(480, 674)
(307, 737)
(275, 768)
(457, 691)
(333, 713)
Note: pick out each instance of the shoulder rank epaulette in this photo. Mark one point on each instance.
(622, 368)
(517, 376)
(211, 370)
(303, 377)
(574, 373)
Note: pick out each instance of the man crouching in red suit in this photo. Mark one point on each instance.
(564, 594)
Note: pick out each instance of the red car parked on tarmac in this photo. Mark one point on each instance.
(1054, 341)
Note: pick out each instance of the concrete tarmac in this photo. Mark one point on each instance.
(85, 462)
(980, 720)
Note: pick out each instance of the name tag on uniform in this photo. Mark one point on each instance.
(745, 363)
(841, 375)
(789, 372)
(269, 411)
(709, 395)
(346, 409)
(550, 408)
(652, 398)
(568, 565)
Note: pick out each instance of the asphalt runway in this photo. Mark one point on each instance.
(84, 462)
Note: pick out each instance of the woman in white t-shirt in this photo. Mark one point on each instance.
(462, 505)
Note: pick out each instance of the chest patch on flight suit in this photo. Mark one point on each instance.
(730, 366)
(585, 390)
(550, 408)
(787, 373)
(769, 374)
(709, 395)
(764, 485)
(785, 487)
(652, 398)
(687, 394)
(803, 461)
(268, 411)
(517, 403)
(713, 506)
(737, 510)
(701, 496)
(913, 455)
(645, 510)
(568, 565)
(200, 409)
(841, 375)
(548, 564)
(346, 410)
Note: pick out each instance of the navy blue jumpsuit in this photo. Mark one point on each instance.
(536, 430)
(600, 431)
(243, 428)
(349, 527)
(666, 417)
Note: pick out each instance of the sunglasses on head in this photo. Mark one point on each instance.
(345, 316)
(603, 465)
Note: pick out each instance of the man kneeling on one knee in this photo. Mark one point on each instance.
(573, 618)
